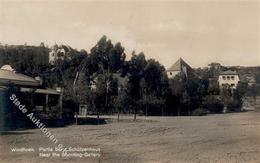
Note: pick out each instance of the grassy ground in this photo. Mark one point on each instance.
(214, 138)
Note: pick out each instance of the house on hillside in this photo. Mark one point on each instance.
(58, 52)
(250, 80)
(179, 67)
(230, 78)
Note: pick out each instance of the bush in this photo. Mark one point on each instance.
(234, 106)
(199, 112)
(213, 104)
(232, 100)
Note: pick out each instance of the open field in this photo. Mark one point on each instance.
(215, 138)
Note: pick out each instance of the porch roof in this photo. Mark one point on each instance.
(11, 77)
(41, 91)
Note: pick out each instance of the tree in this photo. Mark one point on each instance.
(136, 72)
(122, 101)
(232, 98)
(106, 59)
(213, 103)
(190, 91)
(116, 58)
(153, 87)
(214, 69)
(242, 88)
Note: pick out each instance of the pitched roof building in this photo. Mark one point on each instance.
(179, 66)
(44, 99)
(9, 76)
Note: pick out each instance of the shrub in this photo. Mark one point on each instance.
(234, 106)
(199, 112)
(213, 104)
(232, 99)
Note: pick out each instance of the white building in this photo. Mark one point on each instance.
(58, 52)
(179, 67)
(230, 78)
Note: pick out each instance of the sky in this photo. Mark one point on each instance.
(199, 31)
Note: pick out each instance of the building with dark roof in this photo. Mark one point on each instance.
(38, 99)
(8, 77)
(178, 67)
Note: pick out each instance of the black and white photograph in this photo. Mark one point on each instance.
(129, 81)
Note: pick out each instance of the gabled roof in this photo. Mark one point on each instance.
(10, 77)
(177, 66)
(229, 72)
(41, 91)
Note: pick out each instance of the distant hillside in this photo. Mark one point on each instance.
(26, 59)
(246, 74)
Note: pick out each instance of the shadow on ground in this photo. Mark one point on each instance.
(15, 133)
(91, 121)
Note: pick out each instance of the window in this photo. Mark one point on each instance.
(170, 73)
(224, 77)
(232, 77)
(232, 85)
(228, 77)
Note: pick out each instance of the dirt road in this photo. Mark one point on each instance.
(214, 138)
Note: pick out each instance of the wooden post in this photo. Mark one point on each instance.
(46, 102)
(76, 114)
(162, 112)
(60, 104)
